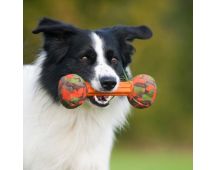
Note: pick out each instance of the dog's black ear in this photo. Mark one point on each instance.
(56, 36)
(125, 35)
(50, 26)
(129, 33)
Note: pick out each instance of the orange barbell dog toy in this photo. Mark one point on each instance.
(141, 91)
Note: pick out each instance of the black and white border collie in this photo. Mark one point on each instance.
(56, 138)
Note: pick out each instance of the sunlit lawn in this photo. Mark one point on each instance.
(131, 160)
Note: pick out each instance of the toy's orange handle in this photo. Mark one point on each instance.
(124, 89)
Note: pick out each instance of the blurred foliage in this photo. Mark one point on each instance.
(167, 57)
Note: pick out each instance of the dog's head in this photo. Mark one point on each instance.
(98, 56)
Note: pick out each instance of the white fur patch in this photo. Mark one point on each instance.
(102, 68)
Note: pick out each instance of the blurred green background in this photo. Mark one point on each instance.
(159, 137)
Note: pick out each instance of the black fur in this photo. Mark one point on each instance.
(65, 45)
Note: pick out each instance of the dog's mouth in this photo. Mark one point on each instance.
(101, 101)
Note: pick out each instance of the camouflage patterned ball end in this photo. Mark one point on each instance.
(72, 91)
(144, 91)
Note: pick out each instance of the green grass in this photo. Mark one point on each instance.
(133, 160)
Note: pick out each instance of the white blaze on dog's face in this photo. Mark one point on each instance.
(100, 57)
(105, 78)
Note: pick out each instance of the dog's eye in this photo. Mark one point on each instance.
(111, 57)
(114, 60)
(84, 59)
(88, 57)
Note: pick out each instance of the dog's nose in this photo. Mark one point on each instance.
(108, 83)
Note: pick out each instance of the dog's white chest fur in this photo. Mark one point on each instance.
(56, 138)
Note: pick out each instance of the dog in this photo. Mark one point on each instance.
(57, 138)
